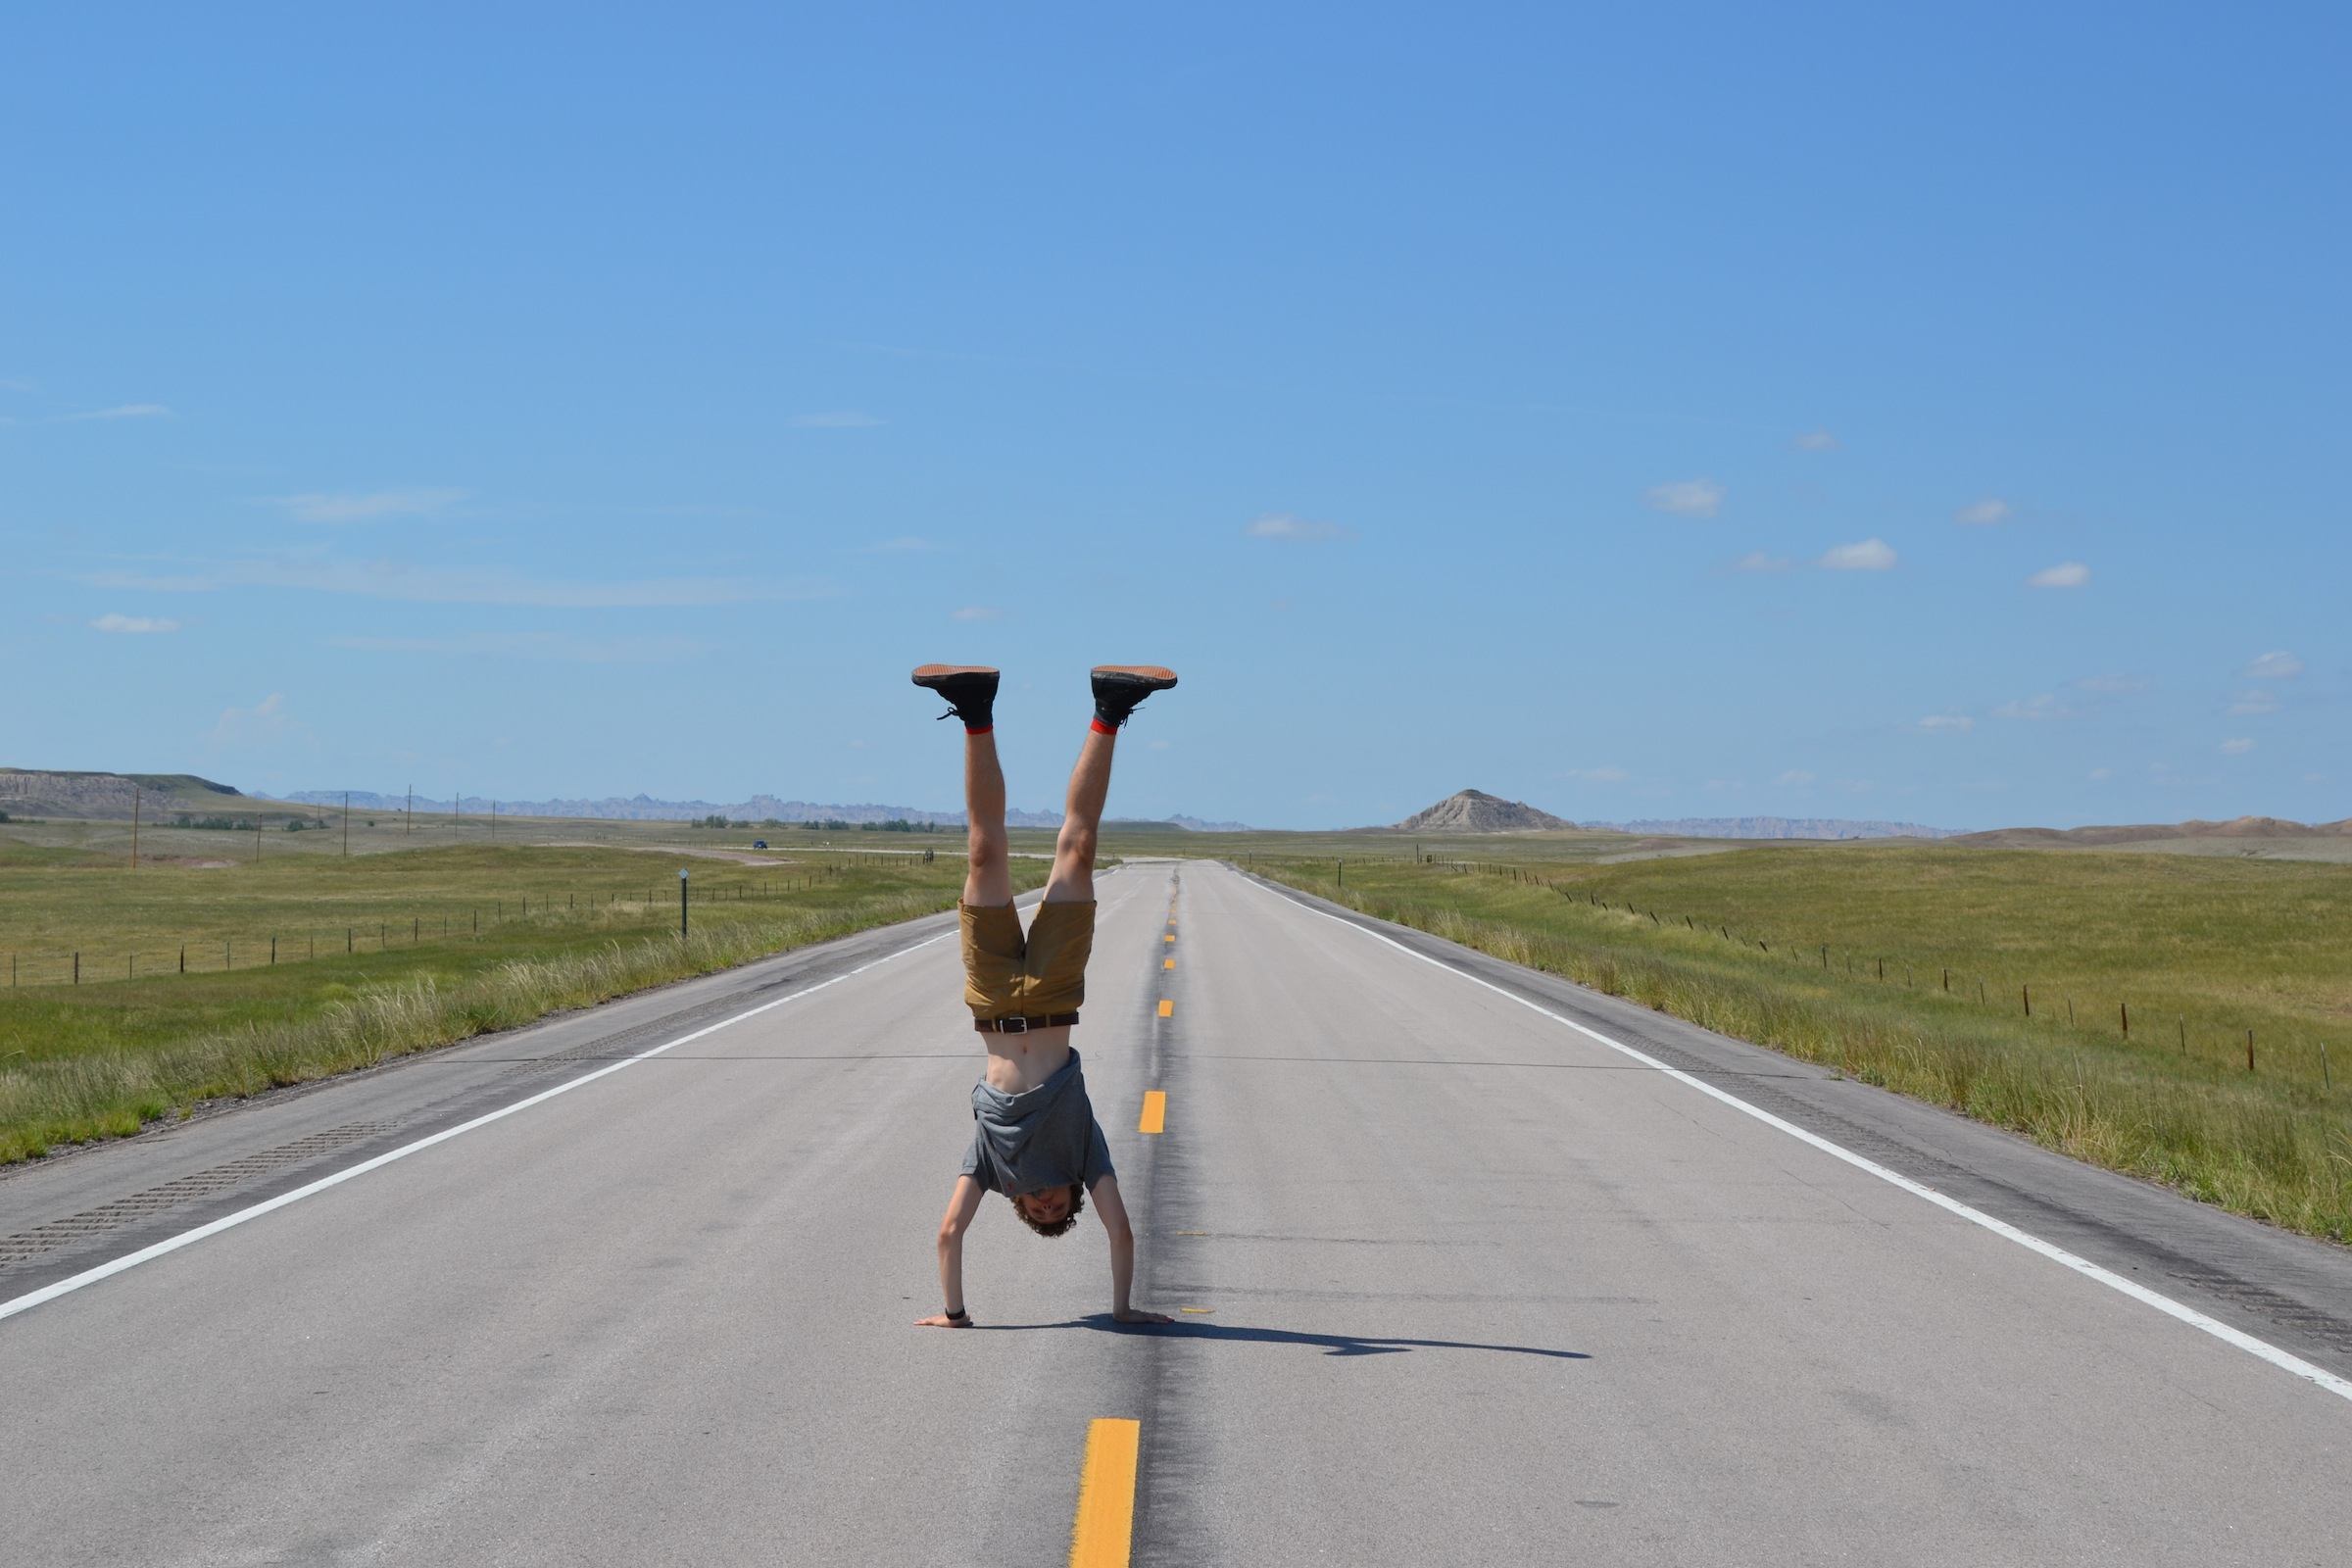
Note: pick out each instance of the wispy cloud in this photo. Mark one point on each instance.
(265, 723)
(978, 612)
(547, 647)
(2110, 685)
(458, 585)
(133, 625)
(16, 384)
(321, 506)
(121, 410)
(1596, 775)
(2065, 574)
(2046, 706)
(1868, 555)
(1756, 560)
(2253, 702)
(2237, 747)
(1816, 441)
(905, 545)
(2100, 775)
(835, 420)
(1686, 497)
(2277, 665)
(1794, 777)
(1297, 529)
(1945, 724)
(1983, 514)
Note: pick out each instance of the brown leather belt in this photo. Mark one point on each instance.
(1021, 1026)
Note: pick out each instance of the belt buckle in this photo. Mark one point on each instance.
(1013, 1026)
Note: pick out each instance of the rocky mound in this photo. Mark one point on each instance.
(1477, 812)
(103, 797)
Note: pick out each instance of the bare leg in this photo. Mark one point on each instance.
(1073, 880)
(988, 879)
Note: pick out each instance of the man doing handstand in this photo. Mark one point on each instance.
(1036, 1139)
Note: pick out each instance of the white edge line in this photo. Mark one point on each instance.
(173, 1244)
(2284, 1360)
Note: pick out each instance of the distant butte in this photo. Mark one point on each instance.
(1477, 812)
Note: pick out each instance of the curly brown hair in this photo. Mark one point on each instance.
(1059, 1227)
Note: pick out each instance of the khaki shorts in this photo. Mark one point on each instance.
(1010, 975)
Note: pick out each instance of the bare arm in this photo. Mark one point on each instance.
(1113, 1213)
(962, 1206)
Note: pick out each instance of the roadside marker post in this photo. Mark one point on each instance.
(681, 904)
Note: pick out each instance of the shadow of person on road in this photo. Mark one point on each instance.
(1240, 1333)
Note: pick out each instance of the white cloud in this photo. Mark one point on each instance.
(2110, 685)
(2237, 747)
(121, 410)
(2099, 776)
(16, 384)
(2045, 705)
(2277, 665)
(1687, 498)
(905, 545)
(1158, 746)
(1983, 514)
(263, 723)
(547, 647)
(1868, 555)
(1757, 560)
(2254, 701)
(1816, 441)
(133, 625)
(458, 585)
(835, 420)
(1598, 775)
(319, 506)
(2065, 574)
(1946, 724)
(1796, 777)
(978, 612)
(1299, 531)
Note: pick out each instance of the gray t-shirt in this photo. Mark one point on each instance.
(1040, 1138)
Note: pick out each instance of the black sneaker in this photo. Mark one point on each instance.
(970, 691)
(1120, 687)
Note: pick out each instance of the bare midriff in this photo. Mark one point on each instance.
(1017, 1062)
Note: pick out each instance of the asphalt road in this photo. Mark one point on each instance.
(1466, 1283)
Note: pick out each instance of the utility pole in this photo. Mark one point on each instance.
(494, 821)
(347, 825)
(681, 904)
(135, 827)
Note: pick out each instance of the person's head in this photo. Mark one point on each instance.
(1050, 1210)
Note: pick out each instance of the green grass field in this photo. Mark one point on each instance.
(442, 944)
(2200, 949)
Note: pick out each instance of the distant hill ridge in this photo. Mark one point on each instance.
(56, 792)
(759, 809)
(1776, 827)
(1477, 812)
(2237, 827)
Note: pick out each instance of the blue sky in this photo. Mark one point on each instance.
(1643, 411)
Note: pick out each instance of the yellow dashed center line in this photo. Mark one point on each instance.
(1167, 963)
(1103, 1532)
(1155, 1111)
(1167, 1008)
(1170, 936)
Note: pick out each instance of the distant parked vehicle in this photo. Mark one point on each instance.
(759, 844)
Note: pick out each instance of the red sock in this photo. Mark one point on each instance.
(1101, 728)
(984, 729)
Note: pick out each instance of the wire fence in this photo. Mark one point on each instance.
(2304, 1057)
(306, 939)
